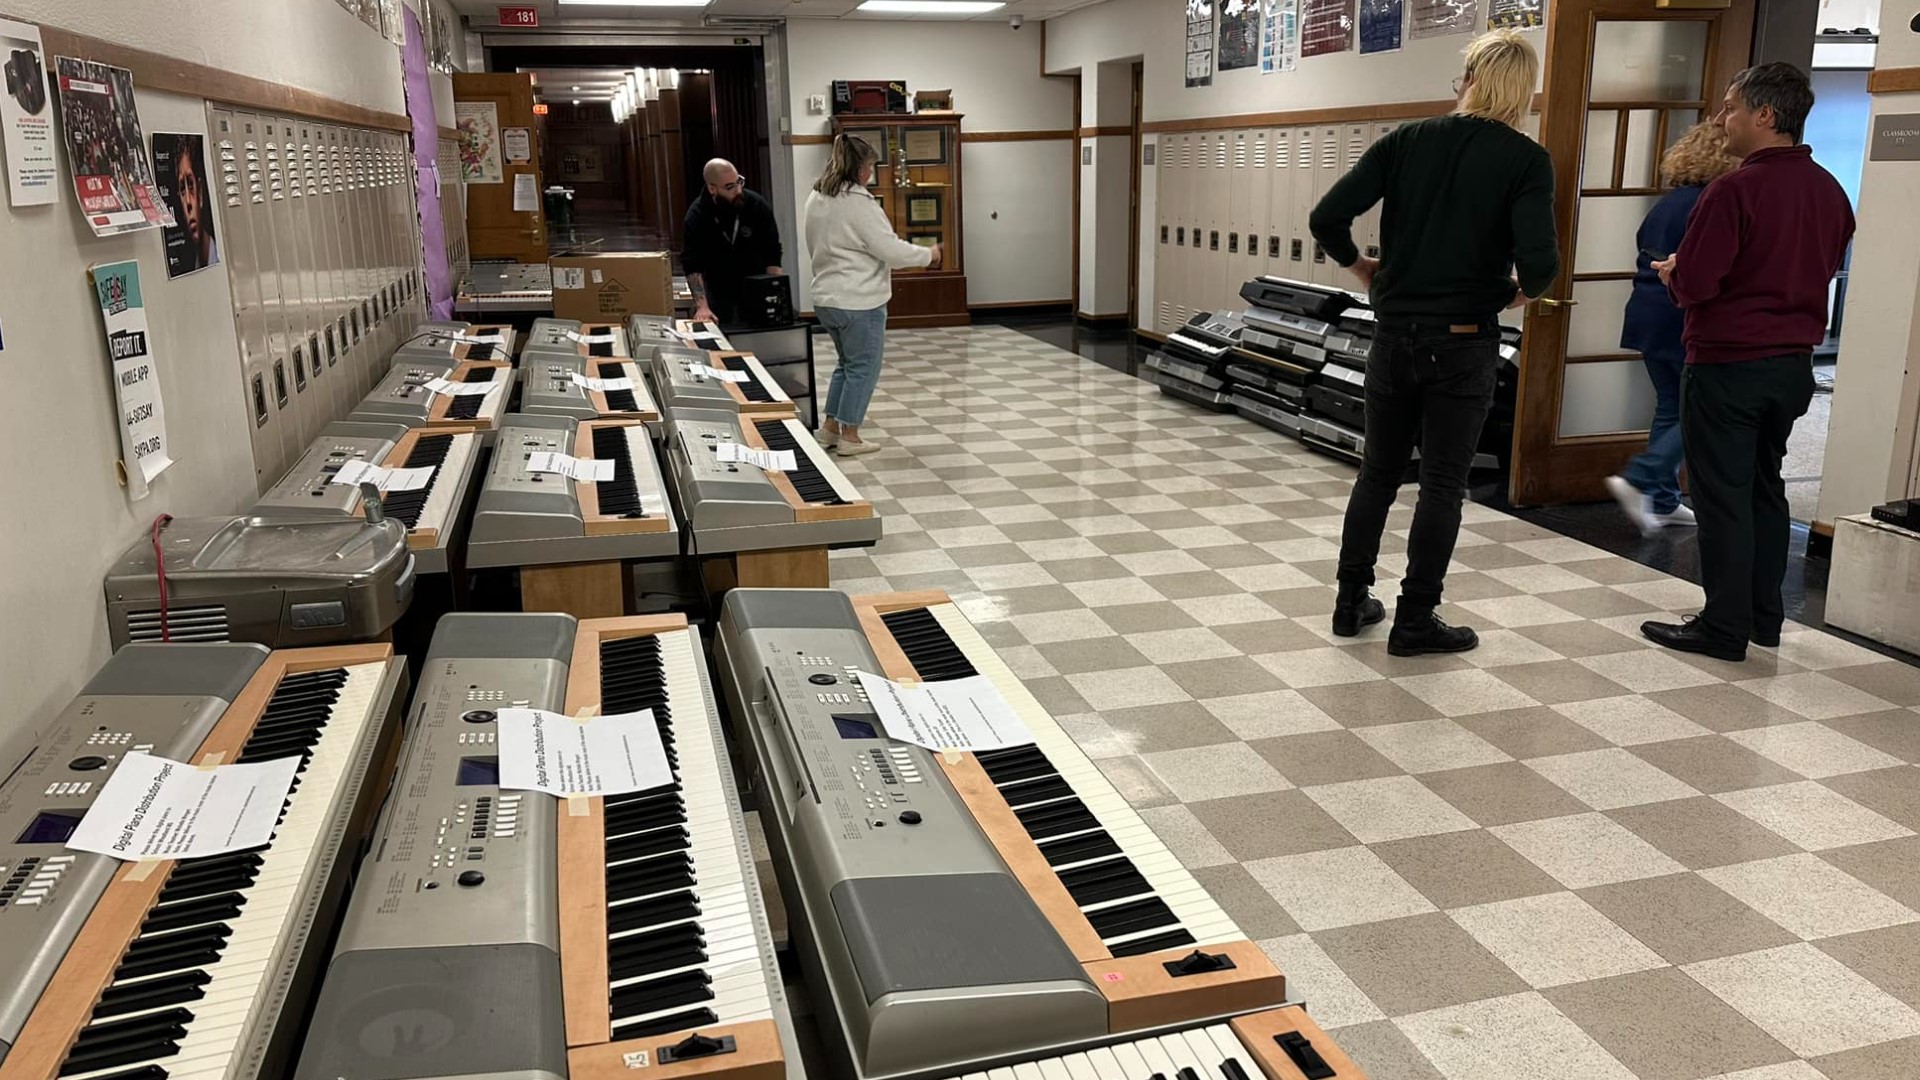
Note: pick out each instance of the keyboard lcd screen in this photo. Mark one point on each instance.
(854, 727)
(50, 827)
(479, 772)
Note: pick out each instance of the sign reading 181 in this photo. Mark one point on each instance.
(519, 16)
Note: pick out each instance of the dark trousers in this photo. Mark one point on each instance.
(1736, 419)
(1656, 471)
(1431, 388)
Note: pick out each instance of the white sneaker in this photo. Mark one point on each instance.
(855, 449)
(1682, 515)
(829, 439)
(1637, 507)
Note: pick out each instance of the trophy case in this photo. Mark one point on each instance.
(917, 184)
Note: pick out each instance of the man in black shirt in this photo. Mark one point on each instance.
(728, 235)
(1467, 230)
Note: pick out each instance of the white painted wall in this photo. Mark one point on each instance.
(1864, 466)
(64, 528)
(994, 73)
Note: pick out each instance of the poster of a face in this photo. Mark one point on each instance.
(180, 169)
(106, 150)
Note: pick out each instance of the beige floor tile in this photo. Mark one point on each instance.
(1786, 1070)
(1089, 731)
(1417, 963)
(1686, 918)
(1891, 866)
(1818, 651)
(1083, 655)
(1809, 897)
(1556, 682)
(1462, 693)
(1270, 715)
(1881, 1061)
(1270, 824)
(1215, 772)
(1425, 746)
(1895, 731)
(1178, 725)
(1533, 732)
(1814, 816)
(1647, 671)
(1111, 594)
(1229, 610)
(1514, 612)
(1889, 680)
(1317, 667)
(1723, 708)
(1500, 647)
(1136, 783)
(1502, 794)
(1463, 868)
(1520, 1037)
(1813, 749)
(1814, 695)
(1554, 939)
(1807, 1000)
(1127, 688)
(1381, 1049)
(1629, 720)
(1701, 832)
(1584, 850)
(1892, 793)
(1322, 890)
(1609, 779)
(1714, 763)
(1047, 627)
(1171, 646)
(1665, 1026)
(1890, 958)
(1335, 1002)
(1388, 808)
(1186, 836)
(1365, 704)
(1325, 757)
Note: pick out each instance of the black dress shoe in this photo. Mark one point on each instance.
(1766, 639)
(1691, 636)
(1354, 609)
(1417, 631)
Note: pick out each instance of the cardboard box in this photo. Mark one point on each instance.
(612, 285)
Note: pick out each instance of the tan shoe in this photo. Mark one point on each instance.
(856, 448)
(829, 439)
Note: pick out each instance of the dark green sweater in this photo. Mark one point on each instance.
(1469, 202)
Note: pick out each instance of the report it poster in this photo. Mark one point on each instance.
(478, 123)
(1239, 34)
(1381, 23)
(136, 379)
(1199, 43)
(1515, 14)
(180, 169)
(1279, 36)
(33, 177)
(105, 149)
(1326, 27)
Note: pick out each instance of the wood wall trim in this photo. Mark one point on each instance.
(1404, 110)
(805, 140)
(449, 133)
(1822, 528)
(153, 71)
(1110, 129)
(1014, 305)
(1894, 80)
(1016, 136)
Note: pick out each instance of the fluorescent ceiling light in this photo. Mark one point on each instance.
(928, 7)
(636, 3)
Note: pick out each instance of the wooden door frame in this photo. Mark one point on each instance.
(1547, 468)
(1133, 196)
(1077, 168)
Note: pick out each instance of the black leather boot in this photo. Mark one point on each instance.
(1417, 631)
(1354, 609)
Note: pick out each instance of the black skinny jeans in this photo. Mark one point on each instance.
(1427, 387)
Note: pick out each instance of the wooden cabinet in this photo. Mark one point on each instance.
(918, 185)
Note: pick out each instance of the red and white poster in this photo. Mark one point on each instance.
(112, 175)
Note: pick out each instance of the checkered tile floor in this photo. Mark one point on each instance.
(1565, 856)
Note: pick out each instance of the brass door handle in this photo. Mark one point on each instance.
(1548, 301)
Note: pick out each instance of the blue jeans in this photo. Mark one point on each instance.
(860, 338)
(1656, 471)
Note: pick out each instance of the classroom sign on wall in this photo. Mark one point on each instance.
(136, 378)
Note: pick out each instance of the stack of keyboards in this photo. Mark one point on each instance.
(1195, 363)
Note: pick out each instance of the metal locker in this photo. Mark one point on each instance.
(276, 133)
(1180, 259)
(1300, 243)
(1354, 141)
(261, 141)
(384, 341)
(237, 152)
(1280, 172)
(367, 365)
(1239, 212)
(324, 208)
(1219, 203)
(1380, 131)
(297, 136)
(1163, 214)
(1253, 216)
(1328, 157)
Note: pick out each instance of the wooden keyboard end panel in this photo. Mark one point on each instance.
(583, 671)
(582, 851)
(893, 662)
(757, 1055)
(853, 511)
(588, 495)
(1023, 857)
(1258, 1032)
(1141, 993)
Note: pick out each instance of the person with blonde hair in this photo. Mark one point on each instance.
(1467, 230)
(1649, 489)
(854, 253)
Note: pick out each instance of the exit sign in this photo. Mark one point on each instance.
(519, 16)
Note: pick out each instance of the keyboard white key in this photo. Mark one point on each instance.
(761, 376)
(823, 461)
(1189, 901)
(443, 496)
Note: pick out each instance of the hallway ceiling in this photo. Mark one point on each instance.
(482, 14)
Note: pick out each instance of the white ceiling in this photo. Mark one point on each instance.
(483, 14)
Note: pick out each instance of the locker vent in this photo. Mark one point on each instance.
(1330, 153)
(183, 624)
(1260, 152)
(1240, 152)
(1356, 143)
(1166, 317)
(1220, 152)
(1306, 150)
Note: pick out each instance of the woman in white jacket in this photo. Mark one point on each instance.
(854, 254)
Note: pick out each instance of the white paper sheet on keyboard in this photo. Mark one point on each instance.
(590, 339)
(359, 472)
(954, 714)
(571, 467)
(461, 389)
(602, 385)
(770, 460)
(598, 755)
(495, 338)
(702, 371)
(156, 808)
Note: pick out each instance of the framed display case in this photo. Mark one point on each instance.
(917, 184)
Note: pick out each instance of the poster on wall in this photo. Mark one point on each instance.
(1381, 22)
(1442, 18)
(1199, 43)
(180, 170)
(136, 380)
(1239, 34)
(1515, 14)
(33, 178)
(1326, 27)
(1279, 36)
(106, 151)
(518, 143)
(479, 125)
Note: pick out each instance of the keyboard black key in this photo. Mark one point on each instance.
(649, 876)
(1056, 818)
(219, 908)
(159, 964)
(145, 1051)
(176, 989)
(1015, 765)
(1045, 789)
(617, 400)
(100, 1039)
(1132, 917)
(1231, 1070)
(807, 479)
(620, 495)
(467, 406)
(144, 1072)
(652, 912)
(657, 951)
(1172, 939)
(147, 947)
(668, 992)
(928, 647)
(641, 845)
(1101, 882)
(680, 1021)
(666, 808)
(1080, 848)
(429, 451)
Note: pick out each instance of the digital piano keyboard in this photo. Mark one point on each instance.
(733, 507)
(550, 389)
(434, 516)
(1275, 1044)
(163, 970)
(527, 518)
(570, 337)
(1061, 916)
(685, 379)
(403, 397)
(452, 342)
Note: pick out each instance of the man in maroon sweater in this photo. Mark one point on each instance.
(1761, 247)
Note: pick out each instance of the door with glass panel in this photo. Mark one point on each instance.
(1624, 80)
